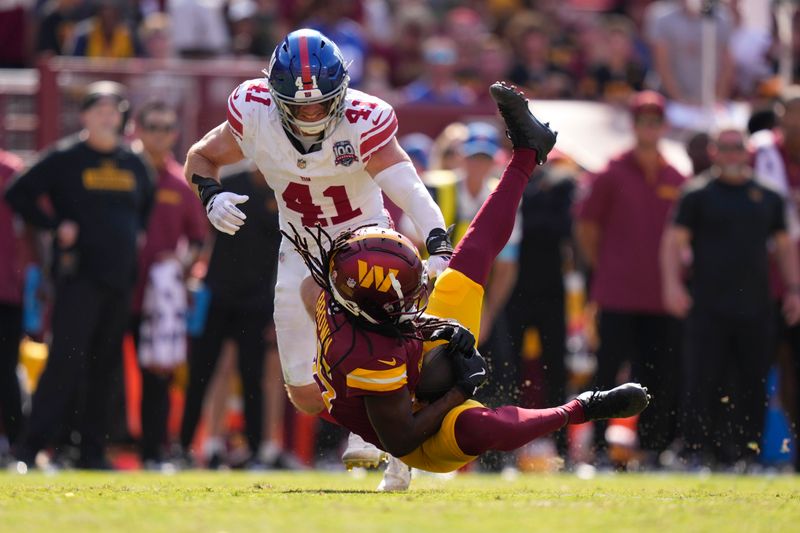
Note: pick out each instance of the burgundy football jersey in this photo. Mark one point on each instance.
(352, 363)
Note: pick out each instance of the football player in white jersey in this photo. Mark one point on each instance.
(327, 151)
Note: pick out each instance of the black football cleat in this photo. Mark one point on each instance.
(621, 402)
(524, 130)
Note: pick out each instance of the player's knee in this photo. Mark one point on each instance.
(306, 398)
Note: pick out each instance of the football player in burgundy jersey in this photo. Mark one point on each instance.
(328, 152)
(371, 332)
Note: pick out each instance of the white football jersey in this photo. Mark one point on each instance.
(329, 186)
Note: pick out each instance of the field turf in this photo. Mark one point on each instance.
(330, 502)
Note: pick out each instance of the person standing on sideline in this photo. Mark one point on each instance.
(536, 311)
(727, 220)
(618, 230)
(777, 165)
(11, 280)
(101, 193)
(241, 279)
(175, 234)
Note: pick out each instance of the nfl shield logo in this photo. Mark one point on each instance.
(344, 154)
(301, 163)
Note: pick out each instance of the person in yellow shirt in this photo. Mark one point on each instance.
(106, 34)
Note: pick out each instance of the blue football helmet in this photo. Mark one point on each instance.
(308, 68)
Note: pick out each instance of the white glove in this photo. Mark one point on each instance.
(436, 264)
(223, 213)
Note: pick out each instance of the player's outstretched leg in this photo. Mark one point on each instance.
(491, 228)
(507, 428)
(621, 402)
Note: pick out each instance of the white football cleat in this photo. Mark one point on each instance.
(396, 477)
(362, 454)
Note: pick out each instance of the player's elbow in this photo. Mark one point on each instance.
(195, 154)
(306, 398)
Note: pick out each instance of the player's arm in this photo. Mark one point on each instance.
(309, 293)
(203, 161)
(401, 431)
(393, 172)
(216, 149)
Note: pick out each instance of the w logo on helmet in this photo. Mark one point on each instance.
(374, 275)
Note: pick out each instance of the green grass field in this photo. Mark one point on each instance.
(324, 502)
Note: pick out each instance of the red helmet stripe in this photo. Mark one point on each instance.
(305, 64)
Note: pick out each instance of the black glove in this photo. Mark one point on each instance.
(471, 372)
(440, 250)
(460, 339)
(438, 242)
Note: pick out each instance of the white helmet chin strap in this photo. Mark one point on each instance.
(354, 309)
(350, 305)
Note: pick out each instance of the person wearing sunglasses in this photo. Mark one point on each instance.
(175, 235)
(101, 195)
(619, 221)
(726, 221)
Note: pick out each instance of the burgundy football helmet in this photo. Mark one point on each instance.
(378, 275)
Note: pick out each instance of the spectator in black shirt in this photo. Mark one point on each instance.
(57, 25)
(537, 303)
(241, 279)
(101, 194)
(727, 219)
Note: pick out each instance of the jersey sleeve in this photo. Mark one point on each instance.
(371, 381)
(375, 123)
(245, 105)
(23, 191)
(687, 210)
(379, 367)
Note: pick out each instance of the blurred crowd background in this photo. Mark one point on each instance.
(557, 301)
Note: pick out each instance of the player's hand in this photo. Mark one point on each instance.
(440, 250)
(223, 213)
(471, 372)
(437, 264)
(460, 339)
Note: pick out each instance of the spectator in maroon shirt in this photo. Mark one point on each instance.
(11, 273)
(619, 225)
(177, 220)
